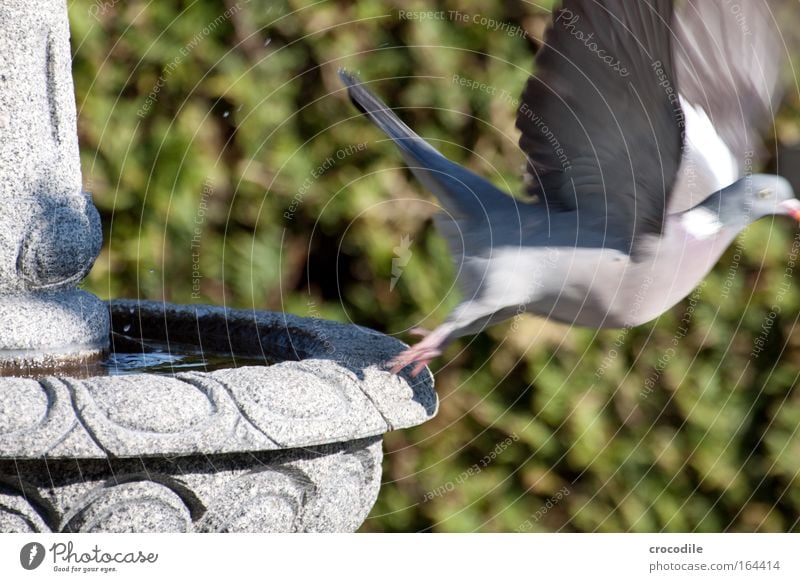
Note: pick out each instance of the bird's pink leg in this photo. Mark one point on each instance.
(422, 353)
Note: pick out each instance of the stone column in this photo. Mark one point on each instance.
(50, 232)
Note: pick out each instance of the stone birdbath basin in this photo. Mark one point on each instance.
(291, 446)
(257, 422)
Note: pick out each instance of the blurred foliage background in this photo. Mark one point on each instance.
(212, 121)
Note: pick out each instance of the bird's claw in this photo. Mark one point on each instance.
(418, 354)
(421, 354)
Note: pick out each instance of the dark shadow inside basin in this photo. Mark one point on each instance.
(236, 334)
(129, 355)
(165, 338)
(160, 338)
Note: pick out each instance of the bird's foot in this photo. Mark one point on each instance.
(420, 354)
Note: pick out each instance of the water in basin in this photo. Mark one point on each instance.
(136, 356)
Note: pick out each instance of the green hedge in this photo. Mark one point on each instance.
(226, 163)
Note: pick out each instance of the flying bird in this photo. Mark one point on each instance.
(640, 127)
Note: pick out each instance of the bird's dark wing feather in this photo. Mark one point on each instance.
(600, 119)
(728, 62)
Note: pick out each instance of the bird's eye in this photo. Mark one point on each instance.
(764, 193)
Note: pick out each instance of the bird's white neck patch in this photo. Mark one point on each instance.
(706, 147)
(701, 223)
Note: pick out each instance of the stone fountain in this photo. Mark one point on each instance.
(292, 443)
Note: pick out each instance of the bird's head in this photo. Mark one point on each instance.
(766, 195)
(742, 203)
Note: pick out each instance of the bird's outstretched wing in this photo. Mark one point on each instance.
(728, 59)
(600, 118)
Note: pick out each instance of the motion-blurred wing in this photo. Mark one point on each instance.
(600, 118)
(728, 59)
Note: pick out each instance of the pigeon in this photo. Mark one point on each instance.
(640, 128)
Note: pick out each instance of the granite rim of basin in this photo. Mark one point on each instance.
(291, 446)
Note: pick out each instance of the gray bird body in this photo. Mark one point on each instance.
(654, 188)
(572, 271)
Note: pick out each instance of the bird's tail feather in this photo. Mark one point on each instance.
(379, 113)
(464, 194)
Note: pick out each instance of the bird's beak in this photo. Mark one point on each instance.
(792, 208)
